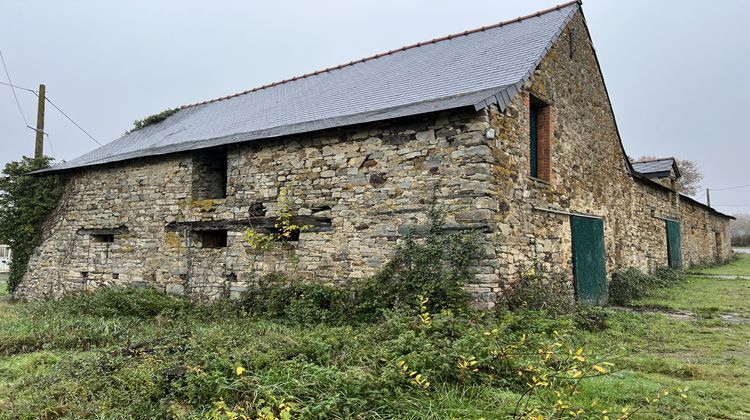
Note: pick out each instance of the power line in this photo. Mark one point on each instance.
(71, 120)
(18, 87)
(56, 107)
(13, 89)
(730, 188)
(51, 150)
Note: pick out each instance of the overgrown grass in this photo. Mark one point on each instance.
(738, 266)
(137, 353)
(156, 356)
(99, 356)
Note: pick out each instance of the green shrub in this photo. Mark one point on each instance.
(668, 276)
(123, 301)
(305, 303)
(435, 267)
(25, 203)
(590, 318)
(632, 283)
(540, 291)
(629, 284)
(153, 119)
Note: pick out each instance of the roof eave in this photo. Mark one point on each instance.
(504, 97)
(640, 177)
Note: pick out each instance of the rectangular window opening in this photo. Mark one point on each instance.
(533, 122)
(103, 238)
(540, 136)
(209, 174)
(213, 238)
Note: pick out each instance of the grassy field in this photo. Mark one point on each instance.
(3, 282)
(739, 266)
(139, 354)
(704, 296)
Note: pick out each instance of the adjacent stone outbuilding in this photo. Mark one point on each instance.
(511, 123)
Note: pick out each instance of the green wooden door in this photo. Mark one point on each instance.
(589, 266)
(674, 247)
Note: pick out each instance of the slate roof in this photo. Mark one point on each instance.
(657, 167)
(474, 68)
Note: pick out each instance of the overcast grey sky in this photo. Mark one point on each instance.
(677, 71)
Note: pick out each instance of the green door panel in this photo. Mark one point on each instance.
(589, 263)
(674, 246)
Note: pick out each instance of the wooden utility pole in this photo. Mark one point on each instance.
(39, 147)
(708, 197)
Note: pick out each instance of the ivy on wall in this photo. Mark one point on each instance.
(25, 202)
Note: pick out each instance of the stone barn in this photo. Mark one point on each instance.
(511, 123)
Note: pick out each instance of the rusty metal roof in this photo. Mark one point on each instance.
(474, 68)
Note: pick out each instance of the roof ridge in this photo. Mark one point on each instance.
(375, 56)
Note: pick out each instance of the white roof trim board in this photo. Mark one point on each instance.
(475, 68)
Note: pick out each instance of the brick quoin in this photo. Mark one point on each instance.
(545, 124)
(544, 129)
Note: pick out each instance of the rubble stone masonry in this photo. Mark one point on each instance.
(362, 188)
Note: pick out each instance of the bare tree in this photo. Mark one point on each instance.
(740, 230)
(692, 176)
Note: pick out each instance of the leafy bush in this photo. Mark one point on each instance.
(668, 276)
(25, 203)
(153, 119)
(628, 285)
(123, 301)
(632, 283)
(297, 301)
(540, 291)
(590, 318)
(435, 267)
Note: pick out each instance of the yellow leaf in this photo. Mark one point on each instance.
(240, 370)
(599, 368)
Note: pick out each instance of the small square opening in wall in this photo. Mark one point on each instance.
(213, 238)
(209, 174)
(103, 238)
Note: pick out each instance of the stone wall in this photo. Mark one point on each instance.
(364, 187)
(706, 237)
(588, 176)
